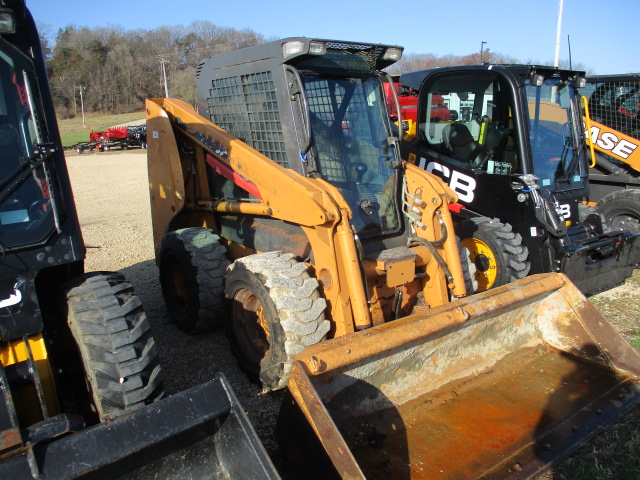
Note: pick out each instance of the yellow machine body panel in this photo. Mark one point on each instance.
(25, 399)
(612, 142)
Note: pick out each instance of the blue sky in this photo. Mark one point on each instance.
(603, 34)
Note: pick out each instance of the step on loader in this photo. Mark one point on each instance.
(281, 209)
(81, 390)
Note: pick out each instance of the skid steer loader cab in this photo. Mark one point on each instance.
(36, 204)
(516, 157)
(290, 170)
(334, 111)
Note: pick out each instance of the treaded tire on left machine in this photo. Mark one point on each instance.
(114, 338)
(275, 311)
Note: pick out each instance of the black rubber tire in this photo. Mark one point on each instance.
(502, 258)
(275, 289)
(114, 339)
(468, 268)
(621, 209)
(192, 268)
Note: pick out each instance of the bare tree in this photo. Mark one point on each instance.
(119, 69)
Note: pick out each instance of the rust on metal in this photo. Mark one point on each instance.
(496, 385)
(10, 438)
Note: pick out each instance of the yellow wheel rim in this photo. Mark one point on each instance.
(485, 260)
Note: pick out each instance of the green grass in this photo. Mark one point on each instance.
(73, 131)
(615, 453)
(611, 456)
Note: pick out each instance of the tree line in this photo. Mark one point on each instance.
(117, 69)
(112, 70)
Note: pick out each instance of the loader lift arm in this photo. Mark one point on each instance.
(312, 203)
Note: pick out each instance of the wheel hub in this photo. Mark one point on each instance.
(484, 259)
(250, 323)
(626, 222)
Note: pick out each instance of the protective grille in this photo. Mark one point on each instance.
(327, 139)
(617, 105)
(334, 143)
(370, 52)
(246, 107)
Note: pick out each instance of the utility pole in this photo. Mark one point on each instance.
(163, 62)
(482, 44)
(84, 125)
(557, 59)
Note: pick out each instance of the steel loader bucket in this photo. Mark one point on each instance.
(201, 433)
(497, 385)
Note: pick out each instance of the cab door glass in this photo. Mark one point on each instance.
(25, 200)
(555, 135)
(468, 117)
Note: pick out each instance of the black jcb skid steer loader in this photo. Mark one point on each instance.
(81, 392)
(516, 156)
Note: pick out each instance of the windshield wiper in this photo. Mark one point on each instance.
(24, 170)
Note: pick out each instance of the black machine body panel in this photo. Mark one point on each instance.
(514, 150)
(39, 228)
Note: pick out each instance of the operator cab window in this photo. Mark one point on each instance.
(25, 200)
(468, 117)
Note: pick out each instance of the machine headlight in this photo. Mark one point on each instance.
(393, 54)
(317, 48)
(7, 21)
(296, 47)
(292, 48)
(537, 79)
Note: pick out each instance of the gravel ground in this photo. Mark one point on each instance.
(111, 193)
(112, 199)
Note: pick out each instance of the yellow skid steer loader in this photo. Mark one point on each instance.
(282, 210)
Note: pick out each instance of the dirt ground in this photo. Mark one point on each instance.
(111, 193)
